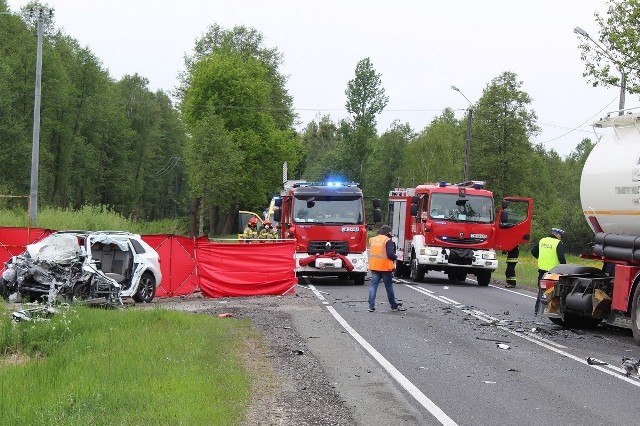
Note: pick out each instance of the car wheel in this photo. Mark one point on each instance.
(80, 292)
(146, 288)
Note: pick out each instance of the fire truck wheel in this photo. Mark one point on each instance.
(417, 271)
(358, 279)
(635, 315)
(484, 278)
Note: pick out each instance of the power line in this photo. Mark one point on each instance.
(582, 124)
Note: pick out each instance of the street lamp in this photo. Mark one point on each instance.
(467, 154)
(623, 78)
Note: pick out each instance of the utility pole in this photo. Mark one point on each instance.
(35, 149)
(467, 154)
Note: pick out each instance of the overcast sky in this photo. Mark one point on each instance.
(420, 47)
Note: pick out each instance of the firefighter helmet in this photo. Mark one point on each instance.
(253, 222)
(267, 223)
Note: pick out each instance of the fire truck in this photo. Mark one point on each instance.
(584, 296)
(327, 220)
(453, 228)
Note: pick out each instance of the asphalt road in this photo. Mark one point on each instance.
(439, 362)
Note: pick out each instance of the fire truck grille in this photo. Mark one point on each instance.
(319, 247)
(455, 240)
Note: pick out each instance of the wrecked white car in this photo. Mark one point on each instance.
(80, 265)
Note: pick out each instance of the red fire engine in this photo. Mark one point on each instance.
(452, 228)
(327, 220)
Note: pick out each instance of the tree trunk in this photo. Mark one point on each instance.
(193, 217)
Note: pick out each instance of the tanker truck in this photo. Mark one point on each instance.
(581, 296)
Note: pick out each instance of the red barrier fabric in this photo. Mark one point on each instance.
(14, 240)
(177, 263)
(228, 269)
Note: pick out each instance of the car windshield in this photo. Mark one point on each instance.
(470, 208)
(328, 210)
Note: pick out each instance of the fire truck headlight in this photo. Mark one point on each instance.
(489, 256)
(429, 251)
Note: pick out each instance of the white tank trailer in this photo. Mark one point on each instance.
(577, 295)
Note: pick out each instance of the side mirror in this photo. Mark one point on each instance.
(277, 202)
(376, 203)
(277, 214)
(415, 199)
(505, 204)
(377, 215)
(414, 210)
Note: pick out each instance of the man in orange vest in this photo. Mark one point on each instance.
(550, 253)
(381, 264)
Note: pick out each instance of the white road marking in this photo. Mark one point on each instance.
(513, 291)
(616, 372)
(412, 389)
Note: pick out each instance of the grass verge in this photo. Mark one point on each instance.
(125, 367)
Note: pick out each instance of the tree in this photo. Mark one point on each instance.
(387, 160)
(435, 154)
(237, 89)
(500, 149)
(320, 141)
(618, 53)
(246, 42)
(366, 98)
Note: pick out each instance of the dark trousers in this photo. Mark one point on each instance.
(540, 291)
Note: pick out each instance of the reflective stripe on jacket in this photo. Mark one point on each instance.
(548, 253)
(378, 260)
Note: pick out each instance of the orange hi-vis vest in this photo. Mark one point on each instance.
(378, 260)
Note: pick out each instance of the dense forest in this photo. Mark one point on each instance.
(216, 143)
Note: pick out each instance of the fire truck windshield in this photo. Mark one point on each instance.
(471, 208)
(328, 210)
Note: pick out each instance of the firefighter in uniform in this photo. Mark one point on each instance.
(382, 258)
(267, 233)
(550, 252)
(512, 261)
(251, 231)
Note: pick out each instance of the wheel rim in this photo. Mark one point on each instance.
(147, 287)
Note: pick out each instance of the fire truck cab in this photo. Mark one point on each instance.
(327, 221)
(453, 228)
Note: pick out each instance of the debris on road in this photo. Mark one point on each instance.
(630, 365)
(503, 346)
(595, 361)
(225, 315)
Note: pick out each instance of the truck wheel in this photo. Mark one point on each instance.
(635, 315)
(358, 279)
(417, 271)
(484, 278)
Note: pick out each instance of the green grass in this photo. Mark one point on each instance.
(125, 367)
(91, 218)
(527, 268)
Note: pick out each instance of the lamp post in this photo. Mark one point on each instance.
(623, 75)
(467, 154)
